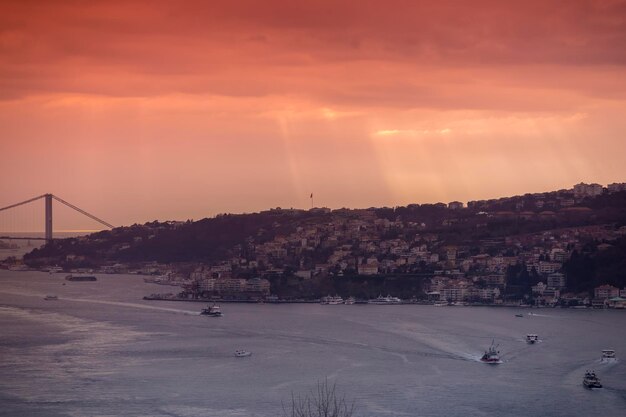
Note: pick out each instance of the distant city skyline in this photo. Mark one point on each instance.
(140, 111)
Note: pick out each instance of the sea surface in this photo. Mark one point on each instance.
(100, 350)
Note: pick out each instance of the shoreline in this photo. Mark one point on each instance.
(155, 297)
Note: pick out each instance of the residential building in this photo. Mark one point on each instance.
(587, 190)
(556, 280)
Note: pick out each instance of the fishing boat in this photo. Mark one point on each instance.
(212, 311)
(531, 339)
(242, 353)
(591, 380)
(492, 355)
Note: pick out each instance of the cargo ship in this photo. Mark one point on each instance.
(80, 278)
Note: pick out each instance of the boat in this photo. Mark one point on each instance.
(212, 311)
(440, 304)
(71, 277)
(385, 300)
(492, 355)
(532, 338)
(519, 315)
(336, 300)
(591, 380)
(349, 301)
(242, 353)
(608, 355)
(51, 297)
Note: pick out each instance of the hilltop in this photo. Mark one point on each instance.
(500, 248)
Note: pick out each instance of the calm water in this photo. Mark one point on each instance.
(102, 351)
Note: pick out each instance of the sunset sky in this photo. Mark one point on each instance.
(144, 110)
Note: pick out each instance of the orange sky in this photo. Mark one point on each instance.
(143, 110)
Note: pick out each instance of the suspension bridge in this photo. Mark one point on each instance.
(48, 199)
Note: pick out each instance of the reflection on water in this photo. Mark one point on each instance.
(102, 350)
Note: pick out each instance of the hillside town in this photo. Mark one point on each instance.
(508, 251)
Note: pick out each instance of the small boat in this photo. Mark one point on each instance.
(591, 380)
(212, 311)
(242, 353)
(608, 355)
(492, 355)
(51, 297)
(519, 315)
(532, 339)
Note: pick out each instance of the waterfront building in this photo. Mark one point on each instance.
(606, 291)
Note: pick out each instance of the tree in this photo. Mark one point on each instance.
(322, 402)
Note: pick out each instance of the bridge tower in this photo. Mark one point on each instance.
(48, 214)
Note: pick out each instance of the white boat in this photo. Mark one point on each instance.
(50, 297)
(608, 355)
(532, 338)
(242, 353)
(440, 304)
(212, 311)
(349, 301)
(330, 300)
(385, 300)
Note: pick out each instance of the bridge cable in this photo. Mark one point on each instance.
(22, 203)
(91, 216)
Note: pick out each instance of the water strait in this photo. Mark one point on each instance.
(100, 350)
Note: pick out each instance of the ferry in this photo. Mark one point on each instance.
(212, 311)
(336, 300)
(591, 381)
(385, 300)
(492, 355)
(532, 338)
(608, 355)
(349, 301)
(242, 353)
